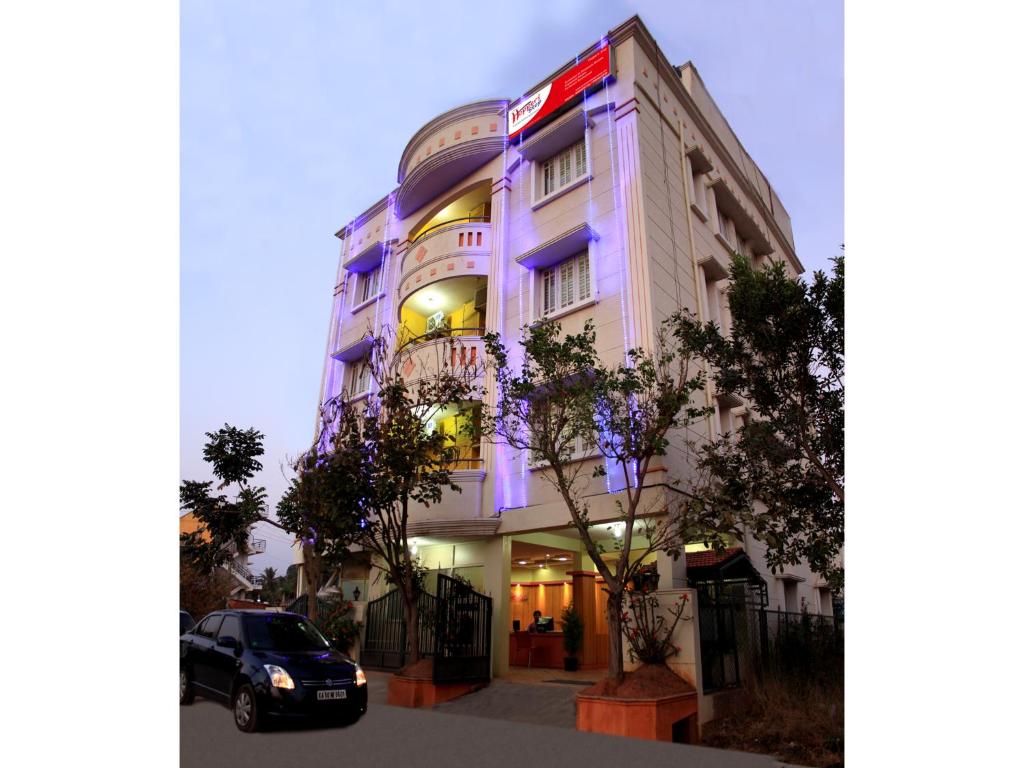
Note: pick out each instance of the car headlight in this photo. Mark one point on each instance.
(360, 676)
(279, 677)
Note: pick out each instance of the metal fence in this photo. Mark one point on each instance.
(740, 640)
(455, 629)
(301, 605)
(386, 644)
(463, 632)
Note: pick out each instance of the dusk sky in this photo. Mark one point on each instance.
(294, 116)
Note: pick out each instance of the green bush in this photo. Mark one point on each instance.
(338, 624)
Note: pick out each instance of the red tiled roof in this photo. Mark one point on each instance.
(710, 557)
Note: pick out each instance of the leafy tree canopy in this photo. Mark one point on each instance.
(781, 475)
(224, 520)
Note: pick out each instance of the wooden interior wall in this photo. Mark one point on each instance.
(600, 603)
(549, 599)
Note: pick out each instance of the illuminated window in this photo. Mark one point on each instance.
(566, 284)
(563, 169)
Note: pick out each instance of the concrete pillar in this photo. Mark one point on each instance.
(493, 498)
(497, 584)
(585, 601)
(671, 573)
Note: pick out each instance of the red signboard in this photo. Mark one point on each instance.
(564, 88)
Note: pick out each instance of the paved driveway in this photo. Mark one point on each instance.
(446, 736)
(553, 705)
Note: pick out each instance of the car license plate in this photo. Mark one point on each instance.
(330, 695)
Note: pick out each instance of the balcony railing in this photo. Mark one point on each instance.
(464, 220)
(469, 237)
(440, 333)
(257, 546)
(245, 574)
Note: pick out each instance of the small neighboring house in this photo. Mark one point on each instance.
(238, 566)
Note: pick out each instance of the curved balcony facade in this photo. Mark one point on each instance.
(453, 249)
(459, 350)
(447, 149)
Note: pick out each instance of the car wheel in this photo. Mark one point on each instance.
(186, 695)
(243, 706)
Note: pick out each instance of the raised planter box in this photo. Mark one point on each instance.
(405, 691)
(667, 718)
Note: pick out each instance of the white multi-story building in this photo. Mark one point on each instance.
(613, 191)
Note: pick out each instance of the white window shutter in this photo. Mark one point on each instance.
(564, 168)
(565, 279)
(548, 285)
(583, 272)
(548, 170)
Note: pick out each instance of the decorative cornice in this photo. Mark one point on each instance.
(636, 29)
(483, 148)
(366, 215)
(470, 528)
(452, 116)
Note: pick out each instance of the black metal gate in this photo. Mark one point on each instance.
(463, 632)
(733, 631)
(386, 643)
(455, 629)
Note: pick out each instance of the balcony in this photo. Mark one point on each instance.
(451, 249)
(257, 546)
(425, 356)
(446, 150)
(248, 579)
(441, 324)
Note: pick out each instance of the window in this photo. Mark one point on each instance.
(369, 285)
(359, 377)
(563, 169)
(210, 625)
(700, 193)
(581, 449)
(790, 596)
(726, 228)
(825, 601)
(277, 632)
(566, 284)
(230, 628)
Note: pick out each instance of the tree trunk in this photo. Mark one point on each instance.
(615, 663)
(311, 564)
(412, 628)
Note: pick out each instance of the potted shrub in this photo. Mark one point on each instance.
(340, 627)
(572, 637)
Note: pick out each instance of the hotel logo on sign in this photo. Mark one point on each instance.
(559, 92)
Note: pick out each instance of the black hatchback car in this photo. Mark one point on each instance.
(269, 665)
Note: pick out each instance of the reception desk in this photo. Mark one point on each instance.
(548, 650)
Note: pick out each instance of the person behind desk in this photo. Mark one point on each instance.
(532, 629)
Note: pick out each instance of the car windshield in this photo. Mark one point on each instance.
(274, 632)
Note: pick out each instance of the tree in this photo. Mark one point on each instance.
(202, 593)
(375, 459)
(309, 510)
(224, 523)
(781, 476)
(288, 583)
(564, 397)
(270, 586)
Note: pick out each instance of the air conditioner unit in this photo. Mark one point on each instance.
(435, 322)
(480, 299)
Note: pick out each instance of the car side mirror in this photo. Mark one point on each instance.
(227, 642)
